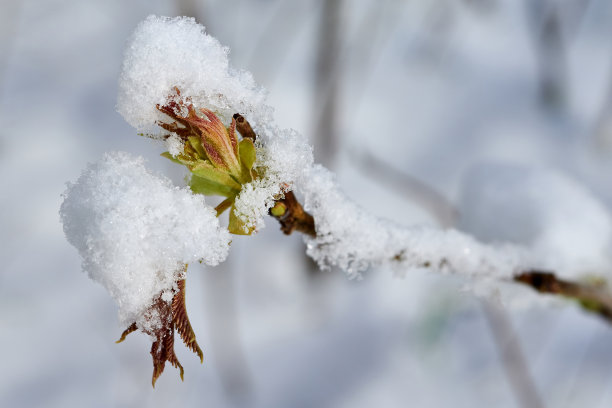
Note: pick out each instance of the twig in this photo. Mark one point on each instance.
(244, 127)
(593, 298)
(292, 217)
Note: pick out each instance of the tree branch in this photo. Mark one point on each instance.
(594, 298)
(292, 217)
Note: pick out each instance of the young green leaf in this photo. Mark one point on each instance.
(208, 187)
(208, 180)
(246, 150)
(180, 159)
(197, 146)
(237, 226)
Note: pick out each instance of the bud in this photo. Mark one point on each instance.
(220, 165)
(206, 134)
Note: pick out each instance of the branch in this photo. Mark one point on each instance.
(244, 127)
(292, 217)
(592, 297)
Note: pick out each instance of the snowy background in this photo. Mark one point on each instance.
(493, 116)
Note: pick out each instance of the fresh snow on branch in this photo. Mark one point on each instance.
(135, 231)
(354, 240)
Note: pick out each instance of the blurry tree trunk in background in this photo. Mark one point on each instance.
(441, 209)
(8, 19)
(603, 125)
(225, 336)
(544, 17)
(511, 356)
(191, 8)
(327, 84)
(481, 5)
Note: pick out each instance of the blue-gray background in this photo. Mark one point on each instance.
(415, 92)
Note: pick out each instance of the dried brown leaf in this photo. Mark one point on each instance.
(181, 321)
(127, 331)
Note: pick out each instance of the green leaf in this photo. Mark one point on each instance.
(179, 159)
(246, 150)
(206, 170)
(196, 143)
(224, 205)
(208, 180)
(170, 157)
(204, 186)
(236, 226)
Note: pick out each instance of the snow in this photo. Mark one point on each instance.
(174, 144)
(354, 240)
(283, 158)
(135, 232)
(164, 53)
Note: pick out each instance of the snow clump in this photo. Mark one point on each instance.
(135, 232)
(283, 160)
(354, 240)
(164, 53)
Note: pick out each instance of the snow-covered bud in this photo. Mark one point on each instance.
(217, 144)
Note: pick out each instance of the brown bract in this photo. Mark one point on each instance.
(174, 317)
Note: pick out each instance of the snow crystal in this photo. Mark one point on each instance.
(354, 240)
(135, 231)
(286, 155)
(164, 53)
(569, 229)
(174, 145)
(283, 160)
(253, 202)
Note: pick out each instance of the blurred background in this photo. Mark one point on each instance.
(404, 99)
